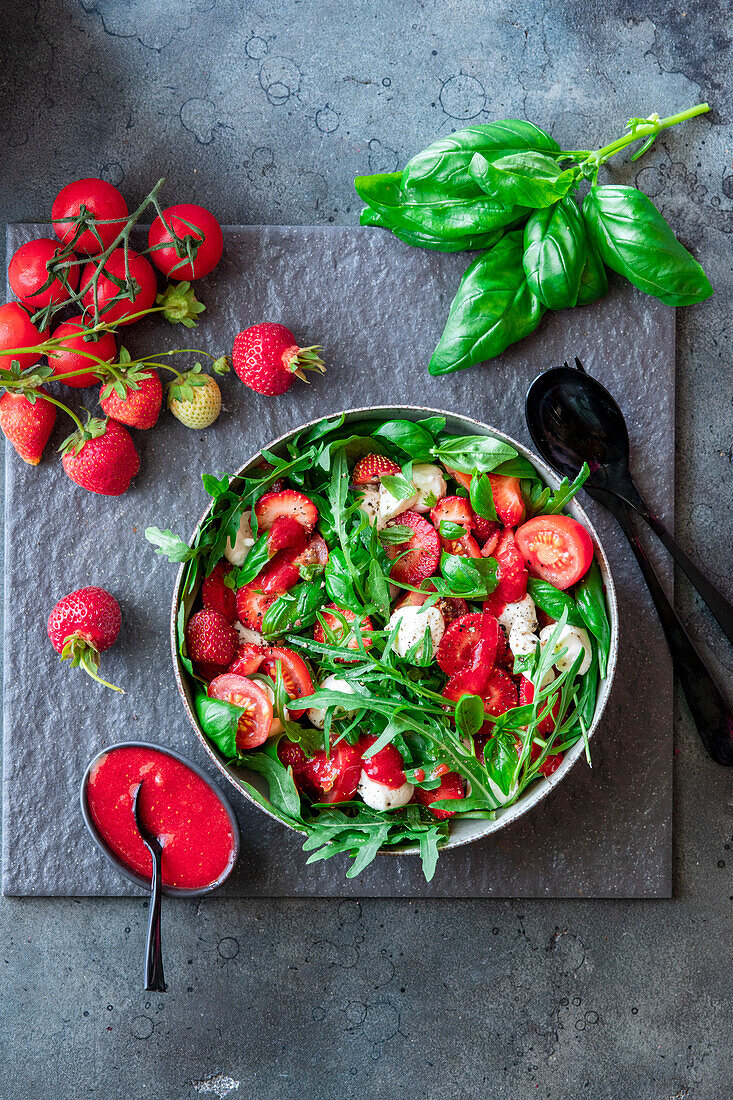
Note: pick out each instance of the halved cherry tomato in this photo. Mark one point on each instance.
(557, 549)
(386, 766)
(333, 778)
(253, 727)
(315, 553)
(295, 673)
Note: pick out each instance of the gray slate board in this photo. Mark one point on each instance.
(377, 307)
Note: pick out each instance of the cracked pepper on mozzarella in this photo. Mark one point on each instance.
(520, 621)
(390, 506)
(428, 480)
(575, 640)
(413, 621)
(381, 797)
(332, 683)
(243, 543)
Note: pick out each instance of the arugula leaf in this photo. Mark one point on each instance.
(169, 545)
(378, 589)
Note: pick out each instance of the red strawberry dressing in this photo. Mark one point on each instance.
(177, 805)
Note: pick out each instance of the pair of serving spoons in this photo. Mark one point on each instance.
(573, 419)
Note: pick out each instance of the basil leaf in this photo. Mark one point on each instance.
(593, 279)
(554, 254)
(397, 533)
(493, 308)
(519, 466)
(481, 497)
(409, 437)
(219, 719)
(420, 239)
(444, 165)
(586, 702)
(440, 215)
(525, 179)
(432, 424)
(469, 714)
(256, 559)
(468, 453)
(467, 577)
(635, 240)
(553, 601)
(398, 486)
(591, 600)
(450, 530)
(500, 756)
(296, 610)
(378, 588)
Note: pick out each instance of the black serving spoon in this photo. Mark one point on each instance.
(154, 979)
(573, 419)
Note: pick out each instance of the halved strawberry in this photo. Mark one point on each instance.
(451, 786)
(252, 603)
(500, 693)
(215, 594)
(465, 547)
(291, 754)
(386, 766)
(286, 532)
(337, 628)
(551, 762)
(315, 553)
(423, 550)
(248, 659)
(287, 502)
(457, 648)
(453, 510)
(486, 531)
(508, 500)
(512, 573)
(371, 468)
(526, 695)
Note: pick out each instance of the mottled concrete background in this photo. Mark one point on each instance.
(265, 112)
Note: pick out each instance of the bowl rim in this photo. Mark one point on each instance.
(140, 880)
(542, 787)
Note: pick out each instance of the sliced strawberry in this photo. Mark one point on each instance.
(512, 574)
(280, 573)
(460, 477)
(487, 532)
(315, 553)
(286, 532)
(252, 603)
(551, 762)
(471, 678)
(453, 510)
(291, 754)
(451, 608)
(371, 468)
(215, 594)
(336, 627)
(508, 500)
(333, 778)
(504, 656)
(466, 547)
(423, 550)
(386, 766)
(548, 723)
(451, 786)
(458, 644)
(500, 693)
(288, 502)
(249, 658)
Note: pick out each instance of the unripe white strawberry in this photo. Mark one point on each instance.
(196, 401)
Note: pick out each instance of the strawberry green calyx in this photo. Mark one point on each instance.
(124, 375)
(180, 305)
(82, 654)
(94, 427)
(183, 385)
(303, 359)
(222, 365)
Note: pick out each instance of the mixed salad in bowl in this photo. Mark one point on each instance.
(392, 634)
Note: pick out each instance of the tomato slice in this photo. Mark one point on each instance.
(254, 726)
(295, 673)
(557, 549)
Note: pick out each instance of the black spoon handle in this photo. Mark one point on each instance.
(154, 979)
(720, 607)
(710, 711)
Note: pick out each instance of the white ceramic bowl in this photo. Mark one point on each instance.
(462, 831)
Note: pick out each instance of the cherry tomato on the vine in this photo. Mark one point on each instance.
(27, 273)
(71, 357)
(123, 309)
(102, 200)
(186, 220)
(18, 331)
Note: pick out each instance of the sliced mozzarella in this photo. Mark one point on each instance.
(277, 726)
(332, 683)
(413, 622)
(428, 479)
(390, 506)
(380, 797)
(572, 638)
(369, 504)
(243, 543)
(520, 621)
(246, 635)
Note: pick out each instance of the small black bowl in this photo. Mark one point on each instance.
(170, 891)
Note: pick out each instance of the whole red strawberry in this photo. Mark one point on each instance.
(101, 458)
(28, 425)
(268, 360)
(216, 595)
(138, 405)
(82, 625)
(211, 640)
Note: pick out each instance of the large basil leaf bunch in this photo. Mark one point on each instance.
(507, 190)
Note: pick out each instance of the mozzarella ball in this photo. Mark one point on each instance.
(380, 797)
(246, 635)
(390, 506)
(572, 638)
(520, 621)
(332, 683)
(412, 624)
(369, 504)
(427, 479)
(243, 543)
